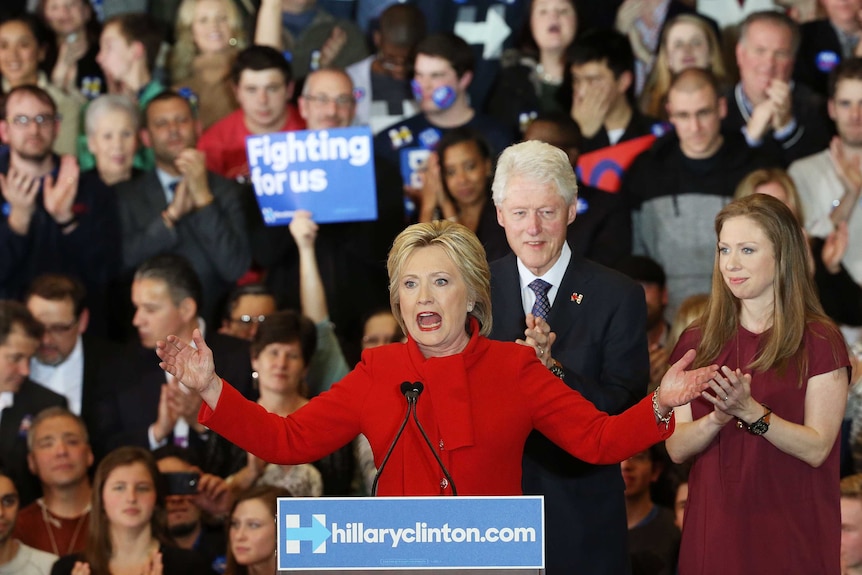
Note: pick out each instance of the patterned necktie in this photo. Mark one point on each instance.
(542, 307)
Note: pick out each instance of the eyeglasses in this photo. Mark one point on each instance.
(59, 328)
(40, 120)
(342, 101)
(246, 319)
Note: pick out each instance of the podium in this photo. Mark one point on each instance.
(402, 535)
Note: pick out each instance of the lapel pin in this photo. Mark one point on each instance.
(577, 297)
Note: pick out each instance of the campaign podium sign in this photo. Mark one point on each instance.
(412, 534)
(327, 172)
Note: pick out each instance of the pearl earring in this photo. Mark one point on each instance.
(469, 307)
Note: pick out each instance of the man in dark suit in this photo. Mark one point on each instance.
(67, 360)
(21, 399)
(765, 105)
(600, 350)
(826, 42)
(182, 208)
(141, 404)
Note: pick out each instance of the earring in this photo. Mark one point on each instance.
(469, 307)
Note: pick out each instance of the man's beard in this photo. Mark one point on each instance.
(183, 529)
(34, 158)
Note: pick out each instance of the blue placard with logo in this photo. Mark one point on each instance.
(353, 533)
(327, 172)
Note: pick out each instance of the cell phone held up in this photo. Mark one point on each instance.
(182, 482)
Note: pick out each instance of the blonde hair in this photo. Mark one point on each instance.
(184, 50)
(463, 248)
(795, 299)
(654, 94)
(757, 178)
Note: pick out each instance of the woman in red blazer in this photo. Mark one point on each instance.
(481, 398)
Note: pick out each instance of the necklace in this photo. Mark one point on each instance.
(49, 520)
(548, 78)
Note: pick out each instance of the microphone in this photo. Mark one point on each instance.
(406, 388)
(412, 391)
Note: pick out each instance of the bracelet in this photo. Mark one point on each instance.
(661, 419)
(557, 369)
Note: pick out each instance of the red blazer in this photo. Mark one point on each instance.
(477, 408)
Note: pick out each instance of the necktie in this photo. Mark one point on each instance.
(542, 307)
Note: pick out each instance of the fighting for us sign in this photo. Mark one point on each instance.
(327, 172)
(407, 533)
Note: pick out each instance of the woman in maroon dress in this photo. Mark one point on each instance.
(763, 491)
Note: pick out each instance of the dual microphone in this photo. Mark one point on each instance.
(411, 392)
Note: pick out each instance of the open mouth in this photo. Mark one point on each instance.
(429, 321)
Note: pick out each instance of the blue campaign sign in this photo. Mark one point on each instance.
(411, 533)
(327, 172)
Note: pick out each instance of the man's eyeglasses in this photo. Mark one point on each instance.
(246, 319)
(60, 328)
(342, 101)
(40, 120)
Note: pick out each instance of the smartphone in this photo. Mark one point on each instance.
(182, 482)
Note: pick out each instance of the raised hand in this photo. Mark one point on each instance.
(193, 366)
(760, 120)
(538, 335)
(213, 495)
(780, 95)
(834, 248)
(590, 106)
(679, 386)
(731, 394)
(81, 568)
(182, 203)
(191, 164)
(19, 190)
(183, 402)
(303, 229)
(332, 47)
(166, 417)
(59, 196)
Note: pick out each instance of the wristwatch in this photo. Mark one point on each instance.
(557, 369)
(760, 426)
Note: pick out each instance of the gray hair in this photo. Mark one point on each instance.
(539, 163)
(776, 19)
(109, 103)
(306, 86)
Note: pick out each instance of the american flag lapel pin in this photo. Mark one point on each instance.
(577, 297)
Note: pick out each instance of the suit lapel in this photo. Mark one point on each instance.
(152, 194)
(566, 311)
(508, 310)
